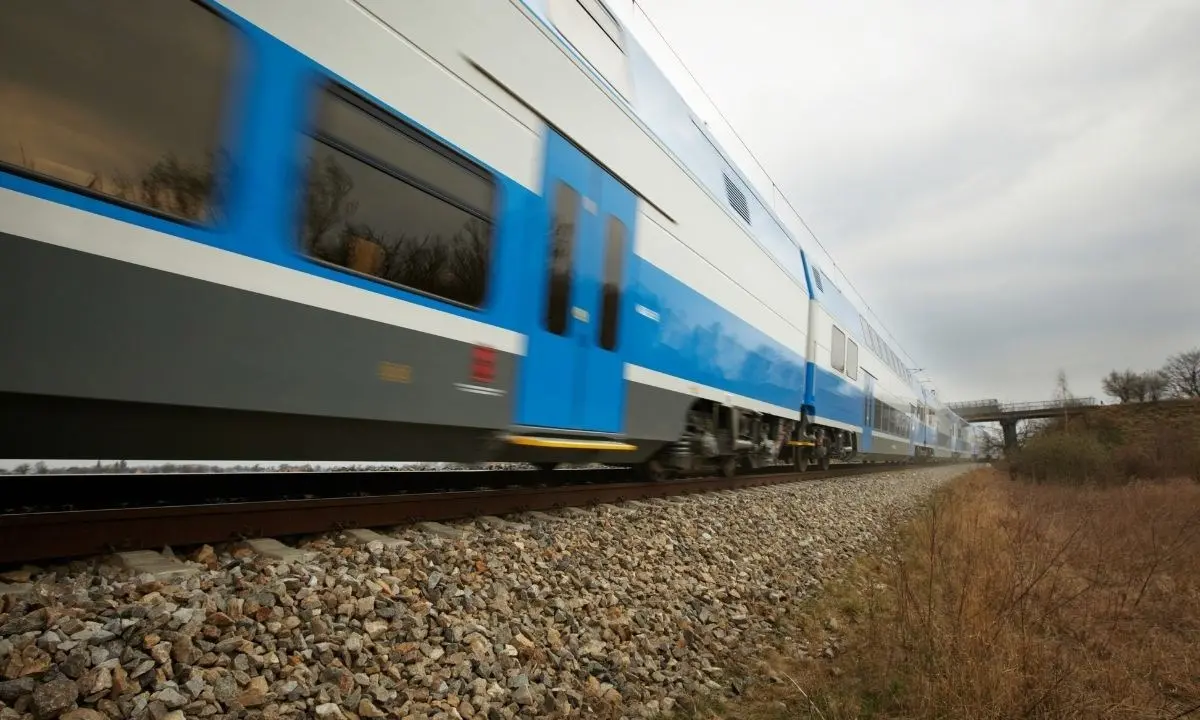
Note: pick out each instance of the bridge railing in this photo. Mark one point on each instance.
(966, 410)
(989, 404)
(1067, 404)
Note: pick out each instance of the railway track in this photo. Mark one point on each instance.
(96, 529)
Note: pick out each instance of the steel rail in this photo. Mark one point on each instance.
(26, 537)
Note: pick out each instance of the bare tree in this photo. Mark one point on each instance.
(1026, 429)
(1156, 385)
(1182, 374)
(1062, 393)
(188, 190)
(1124, 386)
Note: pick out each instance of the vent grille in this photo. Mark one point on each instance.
(737, 198)
(817, 279)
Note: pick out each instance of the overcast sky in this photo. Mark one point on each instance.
(1014, 187)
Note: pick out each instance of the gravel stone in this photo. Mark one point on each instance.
(619, 610)
(83, 714)
(11, 690)
(54, 697)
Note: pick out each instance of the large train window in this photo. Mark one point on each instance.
(610, 301)
(386, 201)
(851, 359)
(121, 99)
(837, 350)
(562, 254)
(596, 35)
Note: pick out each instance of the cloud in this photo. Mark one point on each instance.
(1011, 186)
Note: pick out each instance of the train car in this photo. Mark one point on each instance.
(373, 230)
(951, 434)
(866, 403)
(366, 230)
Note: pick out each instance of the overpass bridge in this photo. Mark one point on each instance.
(1008, 414)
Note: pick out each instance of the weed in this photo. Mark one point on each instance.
(1001, 600)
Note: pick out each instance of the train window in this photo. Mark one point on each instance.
(837, 350)
(386, 202)
(405, 151)
(610, 299)
(852, 359)
(562, 252)
(122, 100)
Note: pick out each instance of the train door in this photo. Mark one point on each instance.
(869, 416)
(573, 374)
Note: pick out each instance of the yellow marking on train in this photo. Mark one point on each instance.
(802, 443)
(569, 444)
(395, 372)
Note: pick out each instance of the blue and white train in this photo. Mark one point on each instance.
(455, 230)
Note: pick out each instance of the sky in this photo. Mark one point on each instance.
(1013, 188)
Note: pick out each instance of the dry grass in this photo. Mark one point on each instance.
(1007, 600)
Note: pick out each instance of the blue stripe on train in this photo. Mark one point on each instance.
(838, 399)
(696, 339)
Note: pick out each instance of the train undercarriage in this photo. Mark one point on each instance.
(720, 439)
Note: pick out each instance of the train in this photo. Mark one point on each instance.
(431, 230)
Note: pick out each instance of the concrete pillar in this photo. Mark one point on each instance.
(1010, 434)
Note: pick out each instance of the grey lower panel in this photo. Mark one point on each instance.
(102, 358)
(883, 446)
(55, 427)
(80, 325)
(655, 413)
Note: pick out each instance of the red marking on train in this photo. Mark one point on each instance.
(483, 364)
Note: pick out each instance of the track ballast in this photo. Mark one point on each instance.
(93, 527)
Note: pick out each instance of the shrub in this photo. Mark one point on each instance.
(1064, 457)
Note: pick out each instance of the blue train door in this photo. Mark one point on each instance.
(869, 416)
(573, 372)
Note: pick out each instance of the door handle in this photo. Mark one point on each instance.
(580, 314)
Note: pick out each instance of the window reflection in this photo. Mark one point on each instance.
(123, 98)
(380, 204)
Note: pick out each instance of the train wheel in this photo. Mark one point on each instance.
(825, 462)
(800, 459)
(650, 471)
(729, 466)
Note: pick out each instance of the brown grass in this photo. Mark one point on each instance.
(1007, 600)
